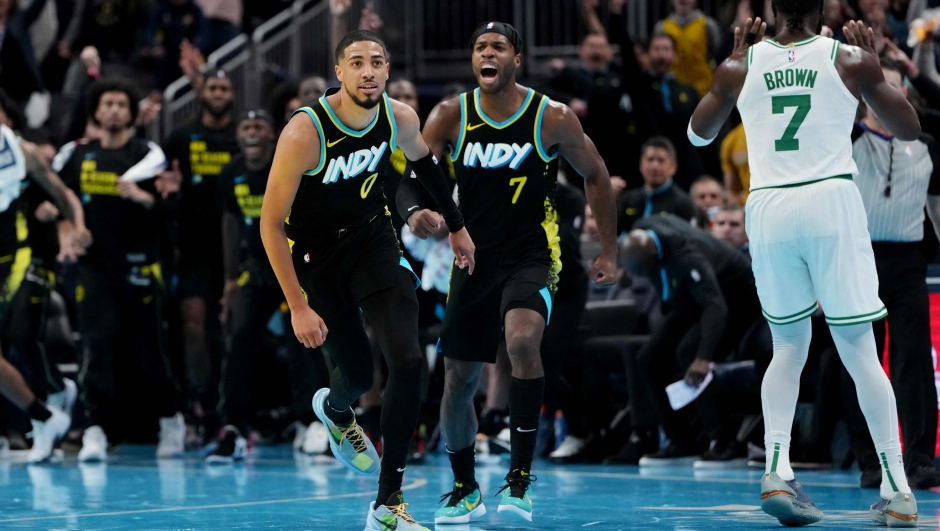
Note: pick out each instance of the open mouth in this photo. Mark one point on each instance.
(368, 88)
(489, 72)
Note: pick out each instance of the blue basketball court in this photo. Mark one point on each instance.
(277, 490)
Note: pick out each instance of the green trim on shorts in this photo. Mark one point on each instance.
(843, 176)
(857, 319)
(798, 316)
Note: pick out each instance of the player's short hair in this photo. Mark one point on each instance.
(797, 10)
(892, 65)
(660, 142)
(358, 36)
(731, 207)
(111, 85)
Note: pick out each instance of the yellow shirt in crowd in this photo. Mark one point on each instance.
(734, 158)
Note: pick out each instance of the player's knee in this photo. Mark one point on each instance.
(461, 384)
(523, 345)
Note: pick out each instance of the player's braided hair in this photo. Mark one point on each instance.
(797, 10)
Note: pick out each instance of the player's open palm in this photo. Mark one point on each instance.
(463, 248)
(857, 34)
(745, 36)
(308, 327)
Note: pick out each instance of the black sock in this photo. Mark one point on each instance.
(390, 479)
(525, 403)
(37, 411)
(462, 462)
(338, 417)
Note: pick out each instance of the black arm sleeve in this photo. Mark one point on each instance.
(429, 173)
(703, 285)
(411, 197)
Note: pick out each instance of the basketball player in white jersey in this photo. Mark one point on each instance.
(797, 94)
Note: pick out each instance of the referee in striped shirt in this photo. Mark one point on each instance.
(896, 181)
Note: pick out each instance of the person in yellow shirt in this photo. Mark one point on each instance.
(735, 166)
(697, 38)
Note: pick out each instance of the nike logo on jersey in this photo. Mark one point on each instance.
(333, 143)
(412, 208)
(400, 469)
(354, 164)
(520, 430)
(476, 126)
(495, 155)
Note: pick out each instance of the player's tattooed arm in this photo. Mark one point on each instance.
(50, 182)
(561, 128)
(717, 104)
(860, 68)
(298, 149)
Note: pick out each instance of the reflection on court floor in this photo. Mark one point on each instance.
(277, 490)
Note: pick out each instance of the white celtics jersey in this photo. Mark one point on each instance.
(797, 114)
(12, 167)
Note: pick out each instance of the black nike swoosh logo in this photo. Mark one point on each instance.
(392, 527)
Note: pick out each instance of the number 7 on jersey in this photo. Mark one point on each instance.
(803, 103)
(521, 182)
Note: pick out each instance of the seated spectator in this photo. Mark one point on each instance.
(709, 301)
(658, 195)
(734, 165)
(708, 196)
(311, 89)
(729, 228)
(697, 40)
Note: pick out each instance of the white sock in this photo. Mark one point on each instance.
(780, 390)
(856, 346)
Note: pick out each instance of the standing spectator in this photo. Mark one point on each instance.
(658, 195)
(223, 22)
(170, 23)
(20, 75)
(697, 40)
(729, 227)
(896, 179)
(708, 196)
(112, 27)
(198, 151)
(122, 281)
(655, 103)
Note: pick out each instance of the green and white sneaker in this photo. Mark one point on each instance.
(900, 511)
(392, 516)
(463, 504)
(348, 443)
(515, 501)
(786, 501)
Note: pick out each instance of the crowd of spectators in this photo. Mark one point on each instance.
(684, 306)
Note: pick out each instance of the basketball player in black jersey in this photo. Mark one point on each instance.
(504, 140)
(337, 253)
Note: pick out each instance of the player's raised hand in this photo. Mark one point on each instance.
(308, 327)
(604, 270)
(857, 34)
(424, 223)
(745, 36)
(463, 248)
